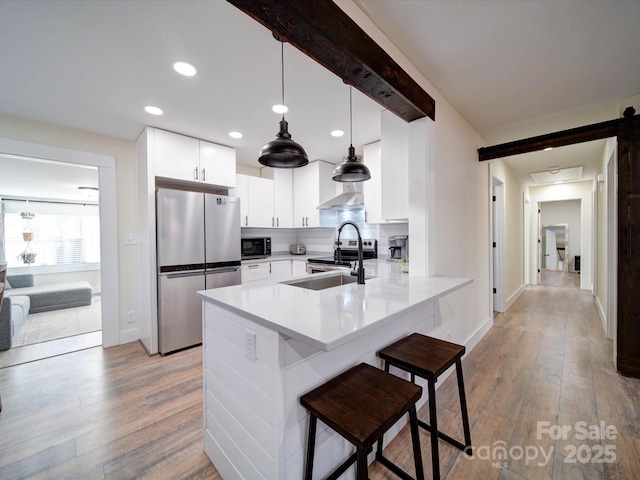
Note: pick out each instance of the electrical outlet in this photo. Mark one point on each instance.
(131, 316)
(250, 345)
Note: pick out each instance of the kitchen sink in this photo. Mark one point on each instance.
(320, 283)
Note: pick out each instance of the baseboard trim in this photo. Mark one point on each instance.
(511, 300)
(603, 316)
(128, 336)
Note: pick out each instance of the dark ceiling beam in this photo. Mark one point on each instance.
(321, 30)
(587, 133)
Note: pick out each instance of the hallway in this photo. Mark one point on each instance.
(545, 360)
(118, 413)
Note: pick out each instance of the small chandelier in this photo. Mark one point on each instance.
(283, 152)
(351, 170)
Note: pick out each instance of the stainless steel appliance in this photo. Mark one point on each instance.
(398, 247)
(349, 254)
(297, 249)
(256, 247)
(198, 248)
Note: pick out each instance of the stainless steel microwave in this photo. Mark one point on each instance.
(256, 247)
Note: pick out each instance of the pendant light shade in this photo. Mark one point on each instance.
(283, 152)
(351, 170)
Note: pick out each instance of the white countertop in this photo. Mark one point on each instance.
(332, 317)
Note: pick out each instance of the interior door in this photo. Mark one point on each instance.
(550, 250)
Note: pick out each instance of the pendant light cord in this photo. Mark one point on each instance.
(282, 71)
(350, 118)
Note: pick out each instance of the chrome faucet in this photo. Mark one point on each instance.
(360, 271)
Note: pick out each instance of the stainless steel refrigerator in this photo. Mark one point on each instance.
(198, 248)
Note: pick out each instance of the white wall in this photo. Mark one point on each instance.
(565, 211)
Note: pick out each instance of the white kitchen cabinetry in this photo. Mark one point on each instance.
(312, 185)
(386, 194)
(185, 158)
(298, 268)
(256, 201)
(254, 272)
(280, 270)
(283, 197)
(217, 164)
(372, 188)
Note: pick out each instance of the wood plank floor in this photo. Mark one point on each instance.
(117, 413)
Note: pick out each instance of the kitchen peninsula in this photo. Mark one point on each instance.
(267, 344)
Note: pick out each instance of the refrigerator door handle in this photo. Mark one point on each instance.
(183, 274)
(222, 270)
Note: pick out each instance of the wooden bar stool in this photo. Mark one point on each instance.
(429, 358)
(361, 404)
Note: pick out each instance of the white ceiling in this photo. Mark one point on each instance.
(512, 69)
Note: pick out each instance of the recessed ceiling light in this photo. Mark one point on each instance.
(337, 133)
(153, 110)
(235, 134)
(184, 68)
(279, 108)
(547, 149)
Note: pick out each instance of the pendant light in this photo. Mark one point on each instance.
(282, 152)
(351, 170)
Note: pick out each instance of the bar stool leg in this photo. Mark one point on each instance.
(381, 441)
(415, 440)
(433, 417)
(362, 467)
(463, 408)
(311, 445)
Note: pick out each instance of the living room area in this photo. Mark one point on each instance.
(50, 242)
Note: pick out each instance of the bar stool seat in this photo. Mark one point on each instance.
(361, 404)
(429, 358)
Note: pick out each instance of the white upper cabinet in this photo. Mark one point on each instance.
(394, 142)
(177, 156)
(312, 185)
(256, 201)
(386, 194)
(372, 188)
(283, 197)
(217, 164)
(186, 158)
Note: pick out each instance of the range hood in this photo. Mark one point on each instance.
(351, 198)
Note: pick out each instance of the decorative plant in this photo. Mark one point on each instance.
(27, 257)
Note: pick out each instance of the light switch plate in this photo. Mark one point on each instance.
(130, 239)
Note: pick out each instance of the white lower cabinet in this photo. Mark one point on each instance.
(279, 271)
(254, 272)
(298, 268)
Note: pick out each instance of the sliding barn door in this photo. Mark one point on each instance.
(628, 335)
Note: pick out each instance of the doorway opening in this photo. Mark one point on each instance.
(497, 239)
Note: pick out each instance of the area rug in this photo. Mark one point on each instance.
(45, 326)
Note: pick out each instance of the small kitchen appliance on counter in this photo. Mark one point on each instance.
(298, 249)
(398, 248)
(349, 254)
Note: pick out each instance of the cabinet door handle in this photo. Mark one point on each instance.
(277, 221)
(246, 220)
(195, 173)
(269, 268)
(273, 222)
(253, 266)
(303, 221)
(204, 178)
(307, 222)
(366, 217)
